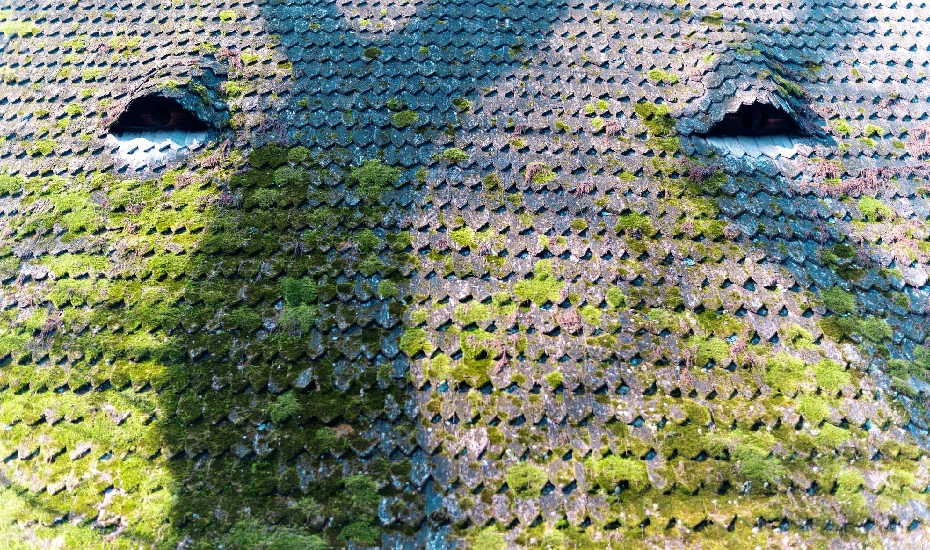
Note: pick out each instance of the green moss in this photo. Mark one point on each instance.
(612, 471)
(269, 156)
(23, 29)
(298, 320)
(285, 406)
(873, 130)
(472, 312)
(42, 147)
(874, 210)
(554, 378)
(374, 178)
(720, 324)
(479, 352)
(526, 480)
(710, 349)
(414, 341)
(813, 408)
(539, 173)
(227, 16)
(715, 19)
(658, 75)
(785, 373)
(615, 297)
(839, 301)
(542, 288)
(387, 289)
(405, 118)
(798, 337)
(465, 237)
(787, 87)
(830, 437)
(372, 52)
(254, 535)
(633, 220)
(591, 315)
(830, 375)
(657, 118)
(462, 104)
(454, 155)
(579, 224)
(489, 539)
(875, 330)
(841, 127)
(842, 259)
(299, 291)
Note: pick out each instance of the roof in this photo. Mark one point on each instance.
(458, 273)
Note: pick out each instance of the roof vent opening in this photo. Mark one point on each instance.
(756, 119)
(156, 114)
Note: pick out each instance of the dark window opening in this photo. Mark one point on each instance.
(758, 119)
(155, 113)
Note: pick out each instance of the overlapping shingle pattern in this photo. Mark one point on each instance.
(616, 331)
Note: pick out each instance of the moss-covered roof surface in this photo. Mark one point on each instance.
(465, 274)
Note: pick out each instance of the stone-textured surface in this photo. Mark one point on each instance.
(684, 344)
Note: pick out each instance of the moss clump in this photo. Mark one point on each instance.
(874, 210)
(490, 539)
(797, 337)
(285, 406)
(710, 349)
(657, 118)
(387, 289)
(658, 75)
(23, 29)
(405, 118)
(299, 291)
(615, 297)
(526, 480)
(41, 147)
(539, 173)
(472, 312)
(875, 330)
(839, 301)
(611, 472)
(479, 352)
(372, 52)
(555, 378)
(269, 156)
(636, 221)
(227, 16)
(841, 127)
(715, 19)
(830, 375)
(254, 535)
(462, 104)
(841, 258)
(813, 408)
(849, 495)
(414, 341)
(454, 155)
(10, 185)
(465, 237)
(542, 288)
(785, 373)
(374, 178)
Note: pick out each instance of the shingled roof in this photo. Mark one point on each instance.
(464, 274)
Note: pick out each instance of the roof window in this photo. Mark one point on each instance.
(756, 119)
(156, 114)
(154, 130)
